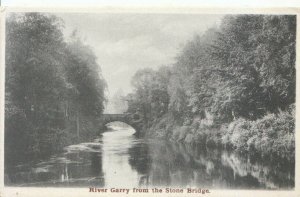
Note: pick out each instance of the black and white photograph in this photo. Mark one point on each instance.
(191, 102)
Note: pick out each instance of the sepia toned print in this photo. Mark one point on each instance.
(127, 100)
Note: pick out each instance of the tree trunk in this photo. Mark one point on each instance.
(77, 123)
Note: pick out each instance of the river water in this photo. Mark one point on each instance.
(118, 158)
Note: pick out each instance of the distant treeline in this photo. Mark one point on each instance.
(54, 88)
(232, 86)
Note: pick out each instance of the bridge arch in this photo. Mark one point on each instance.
(129, 119)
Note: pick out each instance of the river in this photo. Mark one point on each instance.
(119, 158)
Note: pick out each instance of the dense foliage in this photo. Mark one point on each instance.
(242, 70)
(54, 88)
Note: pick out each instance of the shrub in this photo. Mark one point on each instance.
(273, 134)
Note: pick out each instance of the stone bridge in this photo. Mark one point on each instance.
(131, 119)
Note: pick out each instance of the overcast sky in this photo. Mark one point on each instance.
(124, 43)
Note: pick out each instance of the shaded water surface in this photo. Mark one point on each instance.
(118, 158)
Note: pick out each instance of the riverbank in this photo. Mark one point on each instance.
(271, 135)
(117, 158)
(35, 143)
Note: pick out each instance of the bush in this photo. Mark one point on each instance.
(183, 131)
(162, 128)
(274, 134)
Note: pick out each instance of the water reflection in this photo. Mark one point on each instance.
(118, 158)
(140, 160)
(117, 170)
(180, 165)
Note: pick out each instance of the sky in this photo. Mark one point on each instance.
(124, 43)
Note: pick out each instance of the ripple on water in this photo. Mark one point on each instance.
(41, 169)
(84, 147)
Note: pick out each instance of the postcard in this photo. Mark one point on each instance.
(149, 102)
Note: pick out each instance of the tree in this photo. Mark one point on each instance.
(253, 51)
(84, 74)
(48, 82)
(150, 96)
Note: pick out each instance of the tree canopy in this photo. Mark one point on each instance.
(50, 83)
(243, 68)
